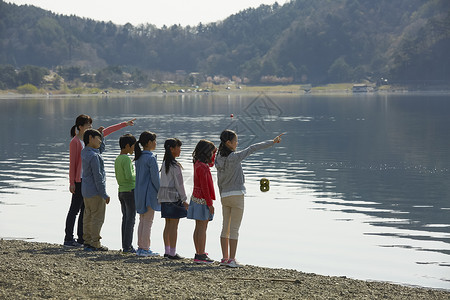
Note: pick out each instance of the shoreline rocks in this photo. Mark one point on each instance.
(30, 270)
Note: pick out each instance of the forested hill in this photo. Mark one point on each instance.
(316, 41)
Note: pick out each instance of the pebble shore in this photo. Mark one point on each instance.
(30, 270)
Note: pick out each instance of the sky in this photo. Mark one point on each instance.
(157, 12)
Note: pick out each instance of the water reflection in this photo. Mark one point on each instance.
(377, 163)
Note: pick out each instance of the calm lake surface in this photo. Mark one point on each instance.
(359, 186)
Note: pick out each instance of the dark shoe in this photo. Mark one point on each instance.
(166, 255)
(176, 257)
(101, 248)
(129, 251)
(203, 259)
(88, 248)
(72, 244)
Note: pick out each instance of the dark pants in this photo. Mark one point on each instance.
(128, 218)
(76, 206)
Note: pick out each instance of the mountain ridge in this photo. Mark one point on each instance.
(301, 41)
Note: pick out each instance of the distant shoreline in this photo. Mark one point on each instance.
(159, 94)
(338, 89)
(34, 270)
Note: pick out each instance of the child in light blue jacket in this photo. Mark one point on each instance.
(146, 190)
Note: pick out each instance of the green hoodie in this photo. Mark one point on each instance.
(125, 175)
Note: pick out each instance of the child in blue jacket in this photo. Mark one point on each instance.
(146, 190)
(93, 190)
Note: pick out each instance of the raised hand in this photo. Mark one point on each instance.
(278, 138)
(131, 122)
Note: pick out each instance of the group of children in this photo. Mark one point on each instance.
(146, 189)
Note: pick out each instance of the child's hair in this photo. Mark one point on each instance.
(226, 135)
(80, 121)
(144, 138)
(168, 157)
(90, 132)
(203, 151)
(126, 139)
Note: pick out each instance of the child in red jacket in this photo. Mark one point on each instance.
(201, 207)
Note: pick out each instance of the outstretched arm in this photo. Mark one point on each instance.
(241, 155)
(114, 128)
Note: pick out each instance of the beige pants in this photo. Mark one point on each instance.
(145, 228)
(232, 212)
(94, 216)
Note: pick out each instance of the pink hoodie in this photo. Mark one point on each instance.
(75, 147)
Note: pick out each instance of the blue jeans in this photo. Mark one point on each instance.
(128, 218)
(76, 206)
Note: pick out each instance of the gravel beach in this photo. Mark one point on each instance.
(30, 270)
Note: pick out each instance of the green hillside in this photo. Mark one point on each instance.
(303, 41)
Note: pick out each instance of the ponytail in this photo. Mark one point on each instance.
(144, 138)
(225, 136)
(168, 157)
(80, 121)
(137, 150)
(72, 131)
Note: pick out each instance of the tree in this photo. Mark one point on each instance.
(108, 76)
(32, 74)
(27, 89)
(340, 71)
(291, 70)
(69, 73)
(8, 77)
(138, 77)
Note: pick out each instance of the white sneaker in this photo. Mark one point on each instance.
(146, 253)
(233, 264)
(140, 252)
(151, 253)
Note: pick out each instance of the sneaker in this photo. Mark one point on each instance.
(88, 248)
(224, 261)
(202, 259)
(146, 253)
(232, 263)
(151, 253)
(166, 255)
(129, 251)
(141, 252)
(101, 248)
(72, 244)
(175, 257)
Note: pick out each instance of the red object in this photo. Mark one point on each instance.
(231, 115)
(203, 183)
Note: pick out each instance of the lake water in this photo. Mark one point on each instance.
(359, 186)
